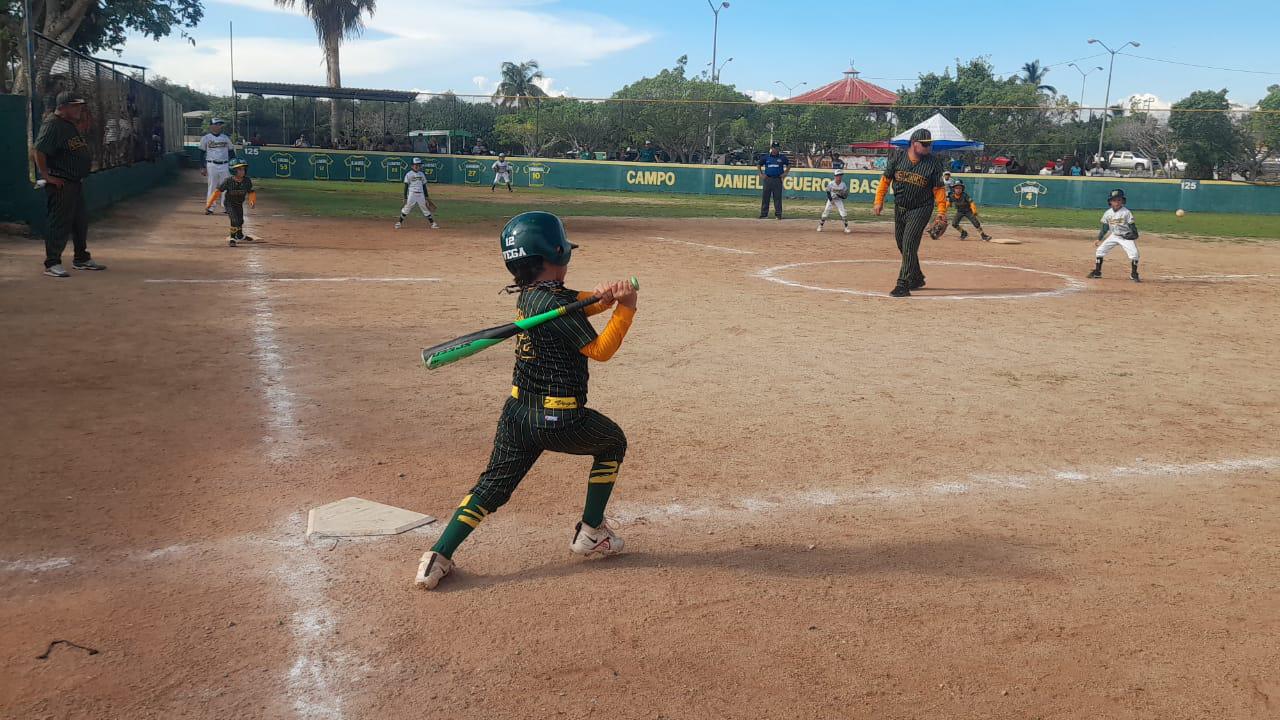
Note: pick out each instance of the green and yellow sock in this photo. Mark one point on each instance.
(465, 519)
(599, 487)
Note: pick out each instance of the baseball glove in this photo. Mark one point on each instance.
(843, 194)
(938, 227)
(430, 205)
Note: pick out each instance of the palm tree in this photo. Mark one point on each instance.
(1033, 74)
(335, 21)
(517, 85)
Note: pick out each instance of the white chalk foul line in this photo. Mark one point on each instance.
(718, 248)
(1072, 285)
(252, 280)
(741, 509)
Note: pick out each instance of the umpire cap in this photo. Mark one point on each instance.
(535, 234)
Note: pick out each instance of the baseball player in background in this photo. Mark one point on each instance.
(547, 409)
(966, 208)
(837, 190)
(501, 173)
(415, 193)
(1118, 228)
(234, 191)
(218, 151)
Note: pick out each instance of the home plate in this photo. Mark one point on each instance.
(1005, 241)
(357, 517)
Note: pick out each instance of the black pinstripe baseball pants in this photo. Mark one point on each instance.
(526, 429)
(235, 213)
(908, 228)
(67, 216)
(973, 220)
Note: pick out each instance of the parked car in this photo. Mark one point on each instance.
(1125, 160)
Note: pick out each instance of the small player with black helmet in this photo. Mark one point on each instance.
(235, 190)
(966, 209)
(547, 409)
(1118, 228)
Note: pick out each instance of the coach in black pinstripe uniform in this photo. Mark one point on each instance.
(548, 409)
(916, 176)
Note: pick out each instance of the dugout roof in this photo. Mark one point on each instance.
(246, 87)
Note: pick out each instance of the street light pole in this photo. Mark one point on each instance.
(1106, 104)
(715, 72)
(790, 88)
(1083, 76)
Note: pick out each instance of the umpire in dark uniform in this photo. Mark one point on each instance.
(63, 159)
(773, 168)
(916, 176)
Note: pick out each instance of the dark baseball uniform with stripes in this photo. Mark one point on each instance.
(234, 191)
(68, 158)
(547, 409)
(964, 209)
(913, 203)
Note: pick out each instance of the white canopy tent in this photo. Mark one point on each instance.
(946, 136)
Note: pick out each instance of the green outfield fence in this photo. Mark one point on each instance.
(1024, 191)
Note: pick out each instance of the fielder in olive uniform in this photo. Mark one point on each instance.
(236, 189)
(916, 176)
(547, 409)
(63, 159)
(966, 208)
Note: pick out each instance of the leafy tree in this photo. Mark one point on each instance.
(334, 21)
(1267, 125)
(518, 86)
(679, 126)
(1033, 74)
(1206, 137)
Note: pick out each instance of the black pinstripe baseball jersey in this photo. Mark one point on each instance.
(913, 182)
(962, 204)
(548, 357)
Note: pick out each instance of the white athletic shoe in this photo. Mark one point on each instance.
(589, 541)
(399, 225)
(56, 271)
(431, 570)
(819, 227)
(434, 226)
(847, 230)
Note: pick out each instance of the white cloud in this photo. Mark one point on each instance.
(761, 96)
(547, 84)
(492, 31)
(1144, 101)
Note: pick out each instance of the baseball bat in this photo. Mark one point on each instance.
(449, 352)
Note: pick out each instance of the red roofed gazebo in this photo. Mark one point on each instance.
(849, 91)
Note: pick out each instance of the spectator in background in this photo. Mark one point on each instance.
(957, 165)
(648, 153)
(301, 142)
(586, 154)
(1075, 171)
(256, 140)
(388, 140)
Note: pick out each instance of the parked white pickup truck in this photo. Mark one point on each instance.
(1125, 160)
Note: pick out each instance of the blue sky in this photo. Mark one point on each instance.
(591, 48)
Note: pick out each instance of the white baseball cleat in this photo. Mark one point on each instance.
(819, 227)
(398, 225)
(434, 226)
(847, 230)
(589, 541)
(431, 570)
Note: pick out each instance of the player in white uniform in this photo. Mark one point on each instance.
(1118, 228)
(837, 190)
(415, 193)
(218, 151)
(501, 173)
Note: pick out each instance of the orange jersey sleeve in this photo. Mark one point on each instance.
(883, 190)
(610, 339)
(940, 198)
(591, 309)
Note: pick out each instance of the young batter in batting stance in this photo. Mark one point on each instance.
(415, 194)
(966, 209)
(837, 190)
(547, 408)
(1118, 228)
(235, 190)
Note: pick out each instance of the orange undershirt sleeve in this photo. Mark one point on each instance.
(213, 199)
(940, 198)
(610, 339)
(883, 189)
(591, 309)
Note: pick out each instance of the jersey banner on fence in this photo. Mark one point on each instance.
(1029, 193)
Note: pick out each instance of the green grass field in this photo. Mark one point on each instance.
(467, 204)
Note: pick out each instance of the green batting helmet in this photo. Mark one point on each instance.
(237, 163)
(535, 234)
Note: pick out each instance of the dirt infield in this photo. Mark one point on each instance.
(1016, 495)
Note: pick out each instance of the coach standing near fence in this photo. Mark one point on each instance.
(63, 159)
(773, 168)
(218, 151)
(916, 175)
